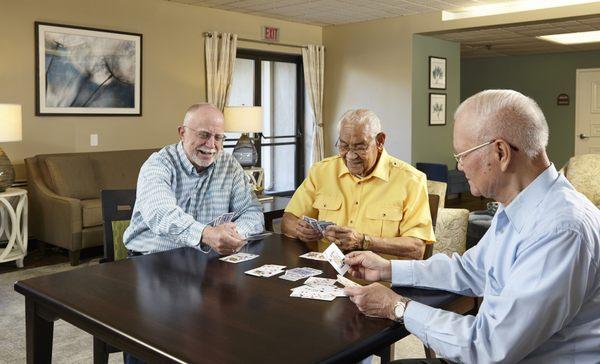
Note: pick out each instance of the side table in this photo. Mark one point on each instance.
(13, 223)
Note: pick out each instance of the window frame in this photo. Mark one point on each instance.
(258, 56)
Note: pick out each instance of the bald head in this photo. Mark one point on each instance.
(506, 114)
(201, 110)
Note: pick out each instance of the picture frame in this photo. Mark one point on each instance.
(437, 73)
(83, 71)
(437, 109)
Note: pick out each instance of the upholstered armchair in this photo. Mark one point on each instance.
(583, 171)
(451, 226)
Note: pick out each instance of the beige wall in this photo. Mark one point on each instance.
(369, 65)
(173, 67)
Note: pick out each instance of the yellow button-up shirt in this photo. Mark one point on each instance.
(392, 201)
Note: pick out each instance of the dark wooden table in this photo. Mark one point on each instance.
(273, 209)
(185, 306)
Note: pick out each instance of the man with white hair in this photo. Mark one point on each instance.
(537, 267)
(184, 186)
(376, 201)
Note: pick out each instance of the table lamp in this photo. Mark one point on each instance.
(10, 131)
(244, 119)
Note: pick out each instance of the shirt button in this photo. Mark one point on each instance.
(324, 205)
(383, 214)
(356, 202)
(351, 221)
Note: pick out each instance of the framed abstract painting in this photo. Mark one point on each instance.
(86, 71)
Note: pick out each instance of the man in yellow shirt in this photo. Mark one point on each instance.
(376, 201)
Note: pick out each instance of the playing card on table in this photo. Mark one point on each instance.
(238, 257)
(300, 273)
(314, 256)
(320, 281)
(346, 282)
(267, 270)
(335, 257)
(308, 292)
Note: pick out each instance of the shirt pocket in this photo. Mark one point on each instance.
(384, 221)
(329, 207)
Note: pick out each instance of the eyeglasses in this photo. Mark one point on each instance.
(459, 157)
(360, 149)
(204, 135)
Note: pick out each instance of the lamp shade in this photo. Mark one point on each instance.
(10, 123)
(243, 119)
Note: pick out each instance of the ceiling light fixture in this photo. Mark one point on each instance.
(573, 38)
(509, 7)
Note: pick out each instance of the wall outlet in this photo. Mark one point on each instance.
(94, 140)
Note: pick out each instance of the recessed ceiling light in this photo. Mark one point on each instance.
(573, 38)
(509, 7)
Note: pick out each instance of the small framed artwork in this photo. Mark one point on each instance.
(437, 73)
(86, 71)
(437, 109)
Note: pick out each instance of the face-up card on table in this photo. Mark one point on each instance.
(335, 257)
(314, 256)
(296, 274)
(267, 270)
(238, 257)
(308, 292)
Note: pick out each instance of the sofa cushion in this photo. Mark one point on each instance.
(73, 176)
(91, 212)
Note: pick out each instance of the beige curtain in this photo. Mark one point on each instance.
(220, 51)
(314, 66)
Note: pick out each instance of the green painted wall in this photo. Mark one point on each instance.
(543, 78)
(433, 143)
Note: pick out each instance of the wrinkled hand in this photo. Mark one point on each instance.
(369, 266)
(345, 237)
(306, 233)
(375, 300)
(224, 239)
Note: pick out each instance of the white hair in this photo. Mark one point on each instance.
(361, 117)
(509, 115)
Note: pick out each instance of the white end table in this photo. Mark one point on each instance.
(13, 223)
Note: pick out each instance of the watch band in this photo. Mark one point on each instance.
(366, 243)
(404, 303)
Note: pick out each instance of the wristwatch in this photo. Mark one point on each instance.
(366, 243)
(399, 309)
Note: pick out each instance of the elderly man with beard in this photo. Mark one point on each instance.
(376, 201)
(184, 186)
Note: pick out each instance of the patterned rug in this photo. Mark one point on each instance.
(72, 345)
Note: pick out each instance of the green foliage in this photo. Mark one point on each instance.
(437, 73)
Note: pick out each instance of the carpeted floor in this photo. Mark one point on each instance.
(72, 345)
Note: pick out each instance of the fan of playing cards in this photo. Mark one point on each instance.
(314, 288)
(318, 225)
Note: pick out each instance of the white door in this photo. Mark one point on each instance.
(587, 111)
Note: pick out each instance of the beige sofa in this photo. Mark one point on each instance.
(64, 194)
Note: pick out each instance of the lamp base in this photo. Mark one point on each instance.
(245, 152)
(7, 172)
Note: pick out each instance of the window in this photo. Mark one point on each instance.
(275, 81)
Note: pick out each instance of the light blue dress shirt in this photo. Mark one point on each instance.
(174, 202)
(537, 268)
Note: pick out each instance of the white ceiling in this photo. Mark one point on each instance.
(517, 39)
(497, 41)
(331, 12)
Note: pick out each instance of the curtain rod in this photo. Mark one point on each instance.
(207, 34)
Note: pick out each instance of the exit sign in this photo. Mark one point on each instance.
(271, 34)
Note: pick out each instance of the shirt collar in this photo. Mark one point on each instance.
(520, 209)
(381, 171)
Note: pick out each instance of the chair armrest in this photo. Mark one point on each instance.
(451, 231)
(58, 219)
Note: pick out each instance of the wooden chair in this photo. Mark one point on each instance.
(117, 207)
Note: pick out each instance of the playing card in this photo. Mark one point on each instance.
(313, 222)
(335, 257)
(300, 273)
(346, 282)
(259, 236)
(238, 257)
(267, 270)
(225, 218)
(308, 292)
(322, 225)
(312, 281)
(314, 256)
